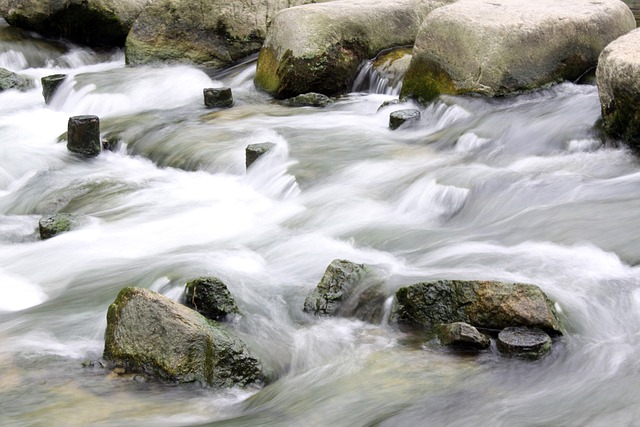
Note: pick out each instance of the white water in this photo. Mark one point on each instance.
(517, 189)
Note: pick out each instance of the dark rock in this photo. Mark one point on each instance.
(400, 117)
(83, 135)
(254, 151)
(54, 224)
(492, 305)
(11, 80)
(50, 84)
(150, 334)
(210, 297)
(218, 97)
(522, 342)
(347, 289)
(310, 99)
(463, 335)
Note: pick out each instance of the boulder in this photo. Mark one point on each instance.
(218, 97)
(310, 99)
(254, 151)
(210, 297)
(526, 343)
(618, 77)
(50, 84)
(11, 80)
(319, 47)
(211, 33)
(94, 23)
(151, 334)
(502, 47)
(54, 224)
(462, 335)
(347, 289)
(83, 135)
(484, 304)
(400, 117)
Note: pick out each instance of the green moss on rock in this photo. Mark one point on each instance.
(426, 80)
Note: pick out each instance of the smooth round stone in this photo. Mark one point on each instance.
(218, 97)
(400, 117)
(523, 342)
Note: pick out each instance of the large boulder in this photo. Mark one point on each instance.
(149, 333)
(503, 47)
(95, 22)
(347, 289)
(492, 305)
(618, 77)
(319, 47)
(211, 33)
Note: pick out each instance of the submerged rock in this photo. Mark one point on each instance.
(498, 48)
(210, 297)
(83, 135)
(54, 224)
(400, 117)
(310, 99)
(319, 47)
(492, 305)
(152, 334)
(254, 151)
(211, 33)
(218, 97)
(521, 342)
(347, 289)
(618, 77)
(11, 80)
(462, 335)
(50, 84)
(95, 22)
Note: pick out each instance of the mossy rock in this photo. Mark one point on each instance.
(54, 224)
(11, 80)
(210, 297)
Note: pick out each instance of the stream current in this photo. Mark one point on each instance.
(516, 189)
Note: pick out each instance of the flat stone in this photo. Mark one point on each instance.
(523, 342)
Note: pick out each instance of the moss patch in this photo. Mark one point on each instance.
(425, 80)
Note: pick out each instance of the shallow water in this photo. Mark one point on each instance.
(515, 189)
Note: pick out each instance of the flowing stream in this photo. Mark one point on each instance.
(517, 189)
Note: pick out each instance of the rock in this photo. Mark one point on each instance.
(463, 335)
(400, 117)
(151, 334)
(310, 99)
(95, 22)
(384, 74)
(11, 80)
(347, 289)
(618, 77)
(218, 97)
(491, 305)
(54, 224)
(83, 135)
(502, 47)
(521, 342)
(254, 151)
(50, 84)
(319, 47)
(210, 297)
(213, 33)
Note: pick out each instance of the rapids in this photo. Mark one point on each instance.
(516, 189)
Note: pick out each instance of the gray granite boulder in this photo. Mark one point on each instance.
(497, 48)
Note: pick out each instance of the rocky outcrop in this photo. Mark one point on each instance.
(151, 334)
(11, 80)
(618, 77)
(492, 305)
(95, 22)
(462, 335)
(347, 289)
(503, 47)
(319, 47)
(211, 33)
(210, 297)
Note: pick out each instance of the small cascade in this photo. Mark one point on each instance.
(383, 74)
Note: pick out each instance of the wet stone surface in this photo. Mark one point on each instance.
(527, 343)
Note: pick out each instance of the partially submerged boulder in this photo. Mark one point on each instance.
(210, 297)
(95, 22)
(50, 84)
(310, 99)
(220, 97)
(254, 151)
(213, 33)
(319, 47)
(152, 334)
(11, 80)
(54, 224)
(618, 77)
(83, 135)
(503, 47)
(462, 335)
(402, 117)
(485, 304)
(347, 289)
(526, 343)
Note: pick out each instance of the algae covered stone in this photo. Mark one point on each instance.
(486, 304)
(210, 297)
(499, 48)
(152, 334)
(54, 224)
